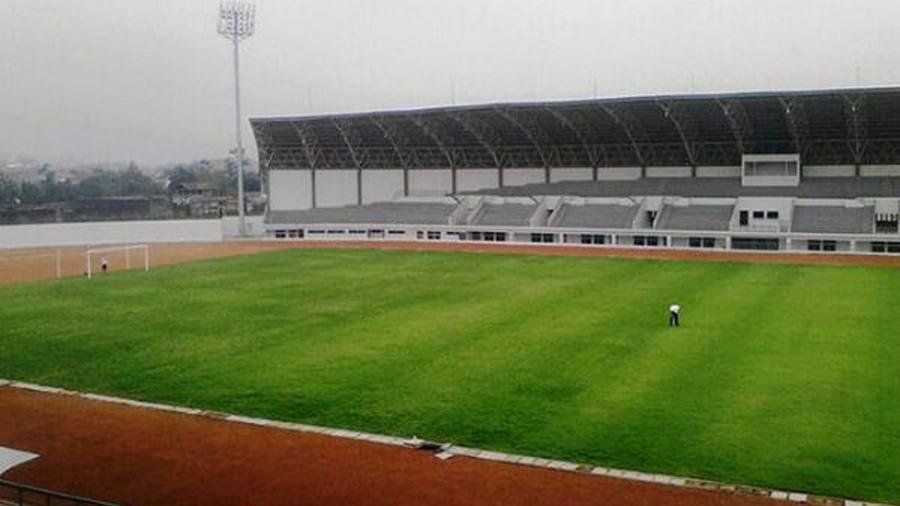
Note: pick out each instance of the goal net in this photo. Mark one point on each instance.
(117, 258)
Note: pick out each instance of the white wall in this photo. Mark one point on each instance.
(880, 170)
(335, 188)
(521, 177)
(618, 173)
(726, 171)
(784, 206)
(468, 180)
(571, 174)
(668, 172)
(290, 190)
(381, 185)
(255, 226)
(430, 182)
(829, 171)
(112, 232)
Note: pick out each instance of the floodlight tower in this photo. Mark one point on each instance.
(236, 23)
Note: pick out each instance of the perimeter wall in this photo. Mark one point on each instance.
(121, 232)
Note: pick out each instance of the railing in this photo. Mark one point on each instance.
(16, 494)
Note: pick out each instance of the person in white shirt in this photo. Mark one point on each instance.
(104, 264)
(674, 309)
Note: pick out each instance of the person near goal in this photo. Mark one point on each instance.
(104, 264)
(674, 310)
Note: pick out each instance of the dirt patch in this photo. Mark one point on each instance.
(138, 456)
(23, 265)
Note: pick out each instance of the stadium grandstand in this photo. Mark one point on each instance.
(780, 171)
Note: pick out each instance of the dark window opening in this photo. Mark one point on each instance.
(886, 226)
(886, 247)
(756, 244)
(702, 242)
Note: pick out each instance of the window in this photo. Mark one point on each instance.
(316, 232)
(536, 238)
(420, 234)
(475, 236)
(702, 242)
(396, 232)
(744, 218)
(886, 247)
(280, 234)
(758, 215)
(337, 232)
(648, 240)
(753, 243)
(772, 215)
(593, 239)
(357, 232)
(434, 236)
(886, 224)
(814, 245)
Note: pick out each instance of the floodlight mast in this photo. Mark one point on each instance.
(237, 22)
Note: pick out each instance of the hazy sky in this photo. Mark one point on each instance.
(150, 80)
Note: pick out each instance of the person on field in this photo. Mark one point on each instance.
(674, 309)
(104, 264)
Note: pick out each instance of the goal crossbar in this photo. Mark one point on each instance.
(91, 253)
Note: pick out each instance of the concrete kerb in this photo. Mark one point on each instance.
(462, 451)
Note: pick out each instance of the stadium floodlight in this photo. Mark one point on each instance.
(237, 22)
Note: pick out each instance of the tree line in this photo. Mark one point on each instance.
(130, 182)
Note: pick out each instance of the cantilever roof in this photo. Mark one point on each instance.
(850, 126)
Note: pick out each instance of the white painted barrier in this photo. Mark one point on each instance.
(255, 227)
(110, 232)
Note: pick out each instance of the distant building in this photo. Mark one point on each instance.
(203, 200)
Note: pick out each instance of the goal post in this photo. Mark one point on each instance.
(123, 254)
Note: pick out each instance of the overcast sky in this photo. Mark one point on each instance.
(150, 80)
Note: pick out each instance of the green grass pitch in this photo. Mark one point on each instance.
(781, 376)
